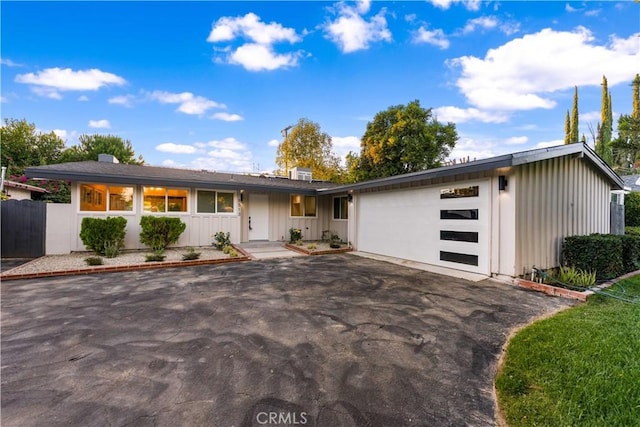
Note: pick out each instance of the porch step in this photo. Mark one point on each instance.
(267, 250)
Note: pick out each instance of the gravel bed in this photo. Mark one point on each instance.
(76, 260)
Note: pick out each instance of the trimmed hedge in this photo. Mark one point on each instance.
(635, 231)
(158, 232)
(632, 209)
(98, 234)
(608, 255)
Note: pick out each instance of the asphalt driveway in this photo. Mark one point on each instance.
(310, 341)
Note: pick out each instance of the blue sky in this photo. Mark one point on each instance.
(210, 85)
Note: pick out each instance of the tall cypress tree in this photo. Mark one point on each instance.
(636, 97)
(603, 142)
(575, 134)
(567, 129)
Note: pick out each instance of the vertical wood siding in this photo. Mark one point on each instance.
(556, 198)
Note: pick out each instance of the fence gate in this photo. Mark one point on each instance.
(23, 228)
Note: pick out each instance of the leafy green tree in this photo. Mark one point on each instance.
(632, 209)
(90, 146)
(307, 146)
(604, 129)
(21, 145)
(402, 139)
(626, 147)
(574, 135)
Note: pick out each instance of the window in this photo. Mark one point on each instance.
(459, 214)
(215, 202)
(459, 258)
(340, 207)
(100, 198)
(455, 193)
(160, 199)
(303, 205)
(459, 236)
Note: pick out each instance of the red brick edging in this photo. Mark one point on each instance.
(323, 252)
(131, 267)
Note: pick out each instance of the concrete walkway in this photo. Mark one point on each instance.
(267, 250)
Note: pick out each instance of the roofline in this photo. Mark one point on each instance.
(14, 184)
(152, 181)
(506, 160)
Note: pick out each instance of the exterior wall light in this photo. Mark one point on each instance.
(502, 183)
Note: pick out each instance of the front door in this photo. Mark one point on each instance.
(259, 217)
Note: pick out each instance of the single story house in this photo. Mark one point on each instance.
(21, 191)
(498, 216)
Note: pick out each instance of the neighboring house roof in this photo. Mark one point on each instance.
(507, 160)
(119, 173)
(13, 184)
(632, 181)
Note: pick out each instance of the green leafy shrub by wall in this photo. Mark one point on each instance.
(158, 232)
(100, 234)
(221, 240)
(608, 255)
(632, 209)
(295, 234)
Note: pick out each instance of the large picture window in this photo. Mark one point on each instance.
(340, 207)
(103, 198)
(215, 202)
(303, 205)
(160, 199)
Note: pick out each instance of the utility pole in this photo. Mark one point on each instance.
(284, 133)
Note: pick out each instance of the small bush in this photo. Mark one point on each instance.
(295, 234)
(574, 277)
(634, 231)
(299, 242)
(157, 255)
(221, 240)
(335, 241)
(233, 253)
(190, 255)
(632, 209)
(602, 253)
(111, 249)
(158, 232)
(94, 260)
(312, 246)
(98, 234)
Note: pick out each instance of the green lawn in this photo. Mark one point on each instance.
(580, 367)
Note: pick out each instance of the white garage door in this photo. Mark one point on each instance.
(446, 225)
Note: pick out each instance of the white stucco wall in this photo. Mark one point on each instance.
(59, 239)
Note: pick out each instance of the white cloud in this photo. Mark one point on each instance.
(9, 63)
(188, 103)
(472, 5)
(69, 137)
(591, 115)
(342, 145)
(273, 143)
(227, 144)
(472, 149)
(482, 22)
(569, 8)
(516, 140)
(170, 147)
(4, 99)
(523, 73)
(83, 98)
(363, 6)
(436, 37)
(461, 115)
(227, 117)
(99, 124)
(173, 164)
(257, 57)
(124, 100)
(49, 82)
(258, 53)
(351, 32)
(547, 144)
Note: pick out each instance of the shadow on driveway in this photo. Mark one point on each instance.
(316, 341)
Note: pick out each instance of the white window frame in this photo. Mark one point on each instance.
(303, 206)
(216, 213)
(166, 201)
(107, 194)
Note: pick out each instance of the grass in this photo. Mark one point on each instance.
(579, 367)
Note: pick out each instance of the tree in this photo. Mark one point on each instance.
(92, 145)
(603, 139)
(21, 146)
(575, 133)
(402, 139)
(627, 146)
(308, 147)
(567, 128)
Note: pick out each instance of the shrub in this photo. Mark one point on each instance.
(575, 277)
(100, 234)
(632, 209)
(158, 232)
(94, 260)
(295, 234)
(233, 253)
(157, 255)
(190, 255)
(608, 255)
(335, 241)
(221, 239)
(111, 249)
(634, 231)
(227, 249)
(312, 246)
